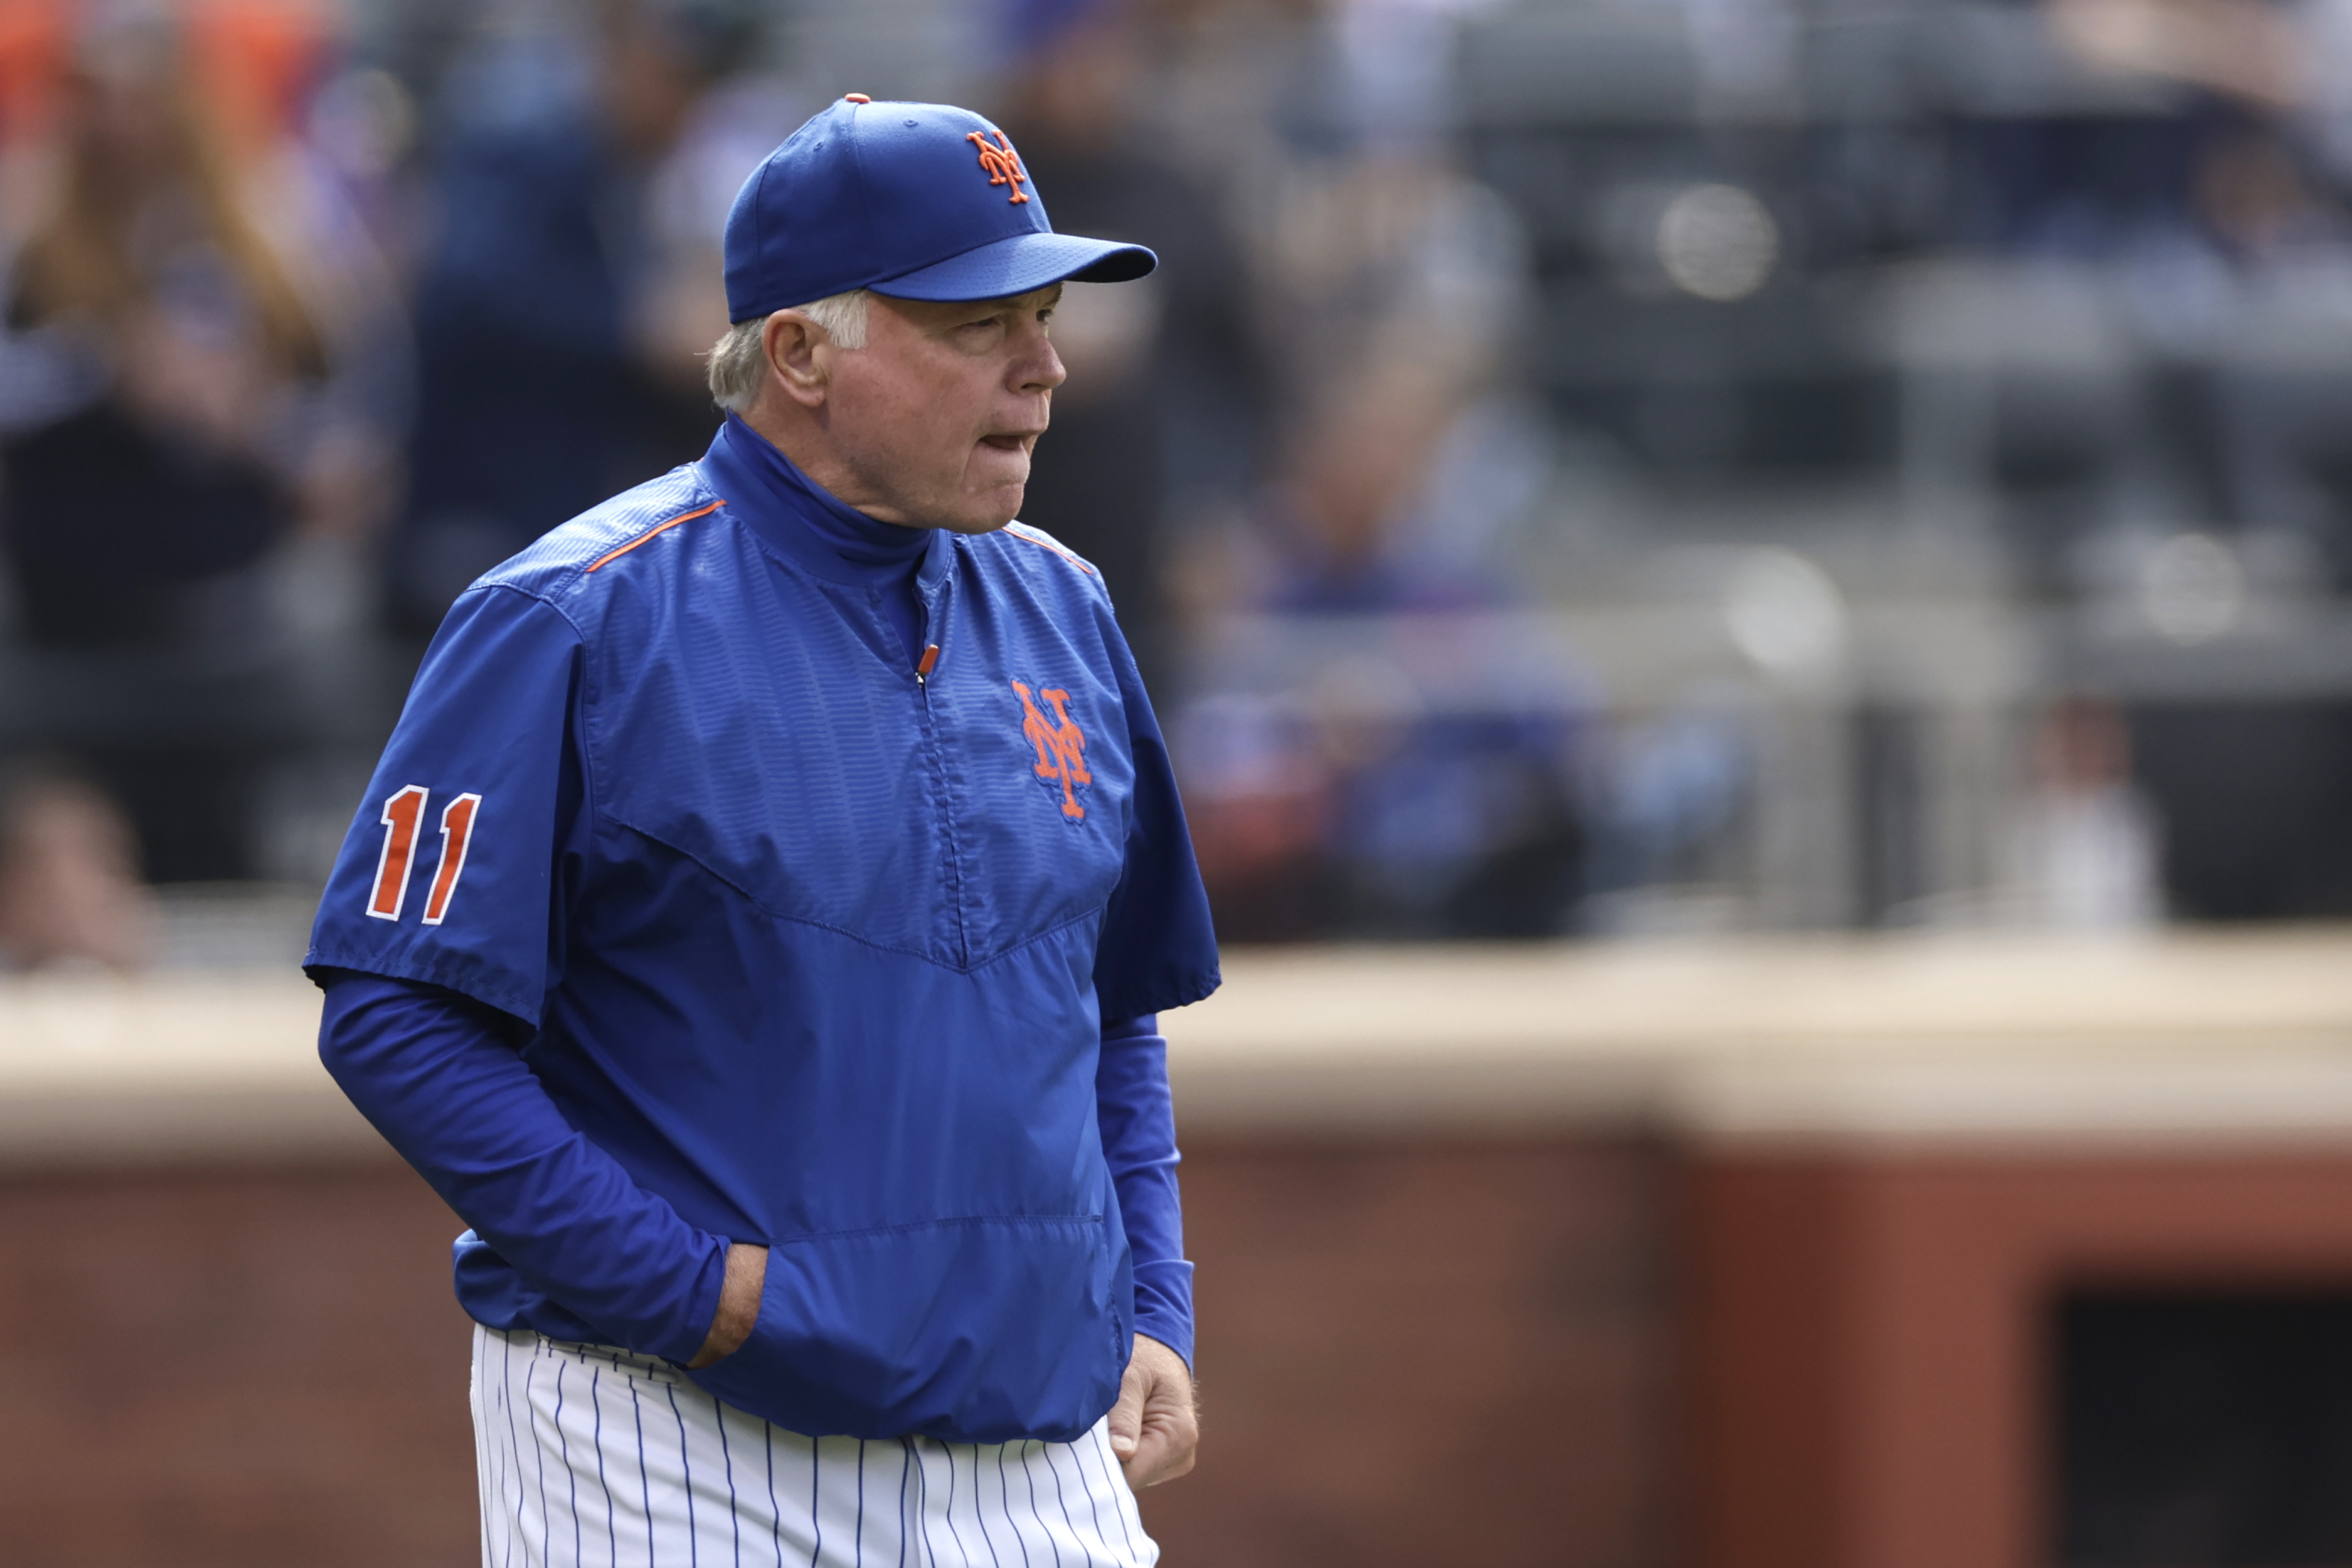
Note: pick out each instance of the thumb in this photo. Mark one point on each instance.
(1127, 1416)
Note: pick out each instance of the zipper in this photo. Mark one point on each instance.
(924, 666)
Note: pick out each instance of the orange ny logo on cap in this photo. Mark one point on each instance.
(1061, 746)
(1002, 164)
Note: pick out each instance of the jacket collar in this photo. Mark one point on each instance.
(808, 524)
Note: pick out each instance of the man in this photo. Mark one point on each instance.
(756, 924)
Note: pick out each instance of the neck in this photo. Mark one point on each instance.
(803, 436)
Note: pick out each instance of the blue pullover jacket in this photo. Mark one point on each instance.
(802, 941)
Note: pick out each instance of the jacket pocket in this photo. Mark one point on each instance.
(977, 1330)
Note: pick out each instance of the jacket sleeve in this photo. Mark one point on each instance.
(439, 1073)
(1157, 949)
(454, 870)
(1138, 1134)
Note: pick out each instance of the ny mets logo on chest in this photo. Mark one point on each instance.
(1061, 746)
(1002, 164)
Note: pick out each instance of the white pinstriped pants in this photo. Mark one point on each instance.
(594, 1457)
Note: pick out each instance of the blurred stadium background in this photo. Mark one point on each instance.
(1753, 599)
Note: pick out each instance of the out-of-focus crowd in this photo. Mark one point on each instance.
(314, 313)
(1512, 481)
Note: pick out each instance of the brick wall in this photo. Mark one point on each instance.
(1413, 1354)
(1426, 1355)
(240, 1369)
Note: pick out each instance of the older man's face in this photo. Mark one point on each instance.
(937, 415)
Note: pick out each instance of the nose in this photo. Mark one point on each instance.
(1036, 367)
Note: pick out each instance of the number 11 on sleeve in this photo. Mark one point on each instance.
(404, 814)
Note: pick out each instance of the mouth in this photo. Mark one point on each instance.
(1012, 440)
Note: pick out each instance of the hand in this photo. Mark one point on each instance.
(1156, 1424)
(739, 1305)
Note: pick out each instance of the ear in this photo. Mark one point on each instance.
(799, 355)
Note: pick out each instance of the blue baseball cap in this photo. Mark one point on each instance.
(918, 201)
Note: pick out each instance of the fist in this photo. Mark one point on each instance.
(1155, 1427)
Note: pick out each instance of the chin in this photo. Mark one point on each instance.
(986, 514)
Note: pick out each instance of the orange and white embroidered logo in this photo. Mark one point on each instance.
(1001, 163)
(1061, 746)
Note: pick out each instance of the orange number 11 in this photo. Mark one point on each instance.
(404, 814)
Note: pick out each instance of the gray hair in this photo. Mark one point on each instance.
(739, 362)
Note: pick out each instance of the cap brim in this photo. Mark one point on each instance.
(1019, 264)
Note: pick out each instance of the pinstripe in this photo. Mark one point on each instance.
(1046, 1451)
(914, 1518)
(1115, 1483)
(953, 1534)
(734, 1513)
(1035, 1512)
(978, 1519)
(563, 1445)
(923, 1503)
(1131, 1513)
(497, 1461)
(637, 1409)
(1005, 1502)
(817, 1492)
(1093, 1511)
(978, 1524)
(923, 1512)
(1094, 1498)
(1112, 1486)
(538, 1453)
(1094, 1504)
(1074, 1534)
(1146, 1549)
(946, 1513)
(493, 1404)
(481, 1448)
(1062, 1503)
(596, 1405)
(905, 1449)
(686, 1470)
(514, 1443)
(775, 1514)
(979, 1514)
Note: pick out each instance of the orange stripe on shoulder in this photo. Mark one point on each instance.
(657, 528)
(1057, 549)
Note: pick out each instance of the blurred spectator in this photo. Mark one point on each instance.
(1385, 750)
(2084, 849)
(69, 888)
(1382, 744)
(203, 355)
(581, 185)
(1261, 799)
(1670, 790)
(1164, 399)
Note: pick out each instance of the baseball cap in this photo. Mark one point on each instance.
(918, 201)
